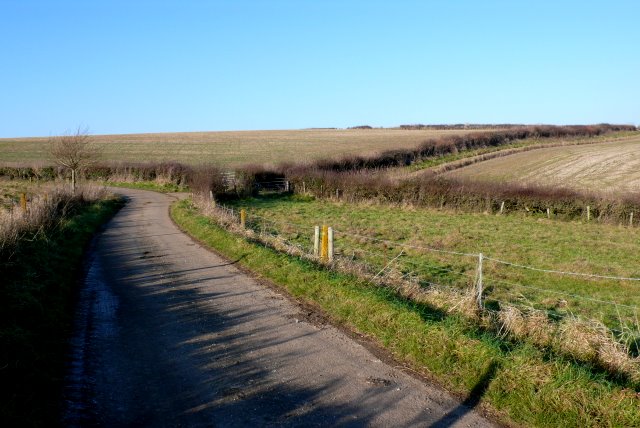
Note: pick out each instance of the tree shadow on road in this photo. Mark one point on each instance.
(184, 354)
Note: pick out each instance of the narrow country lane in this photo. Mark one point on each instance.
(169, 334)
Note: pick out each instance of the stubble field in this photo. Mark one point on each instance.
(233, 148)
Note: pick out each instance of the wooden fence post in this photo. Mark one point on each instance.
(243, 217)
(23, 202)
(631, 219)
(330, 243)
(325, 242)
(316, 240)
(479, 283)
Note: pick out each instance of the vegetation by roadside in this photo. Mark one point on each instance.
(148, 185)
(520, 383)
(40, 262)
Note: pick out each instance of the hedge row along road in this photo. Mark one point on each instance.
(170, 334)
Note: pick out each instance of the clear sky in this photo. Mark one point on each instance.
(155, 66)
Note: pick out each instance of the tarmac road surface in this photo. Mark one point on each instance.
(168, 334)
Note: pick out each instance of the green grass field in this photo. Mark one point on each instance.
(609, 167)
(533, 241)
(231, 148)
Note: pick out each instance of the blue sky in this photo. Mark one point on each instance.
(156, 66)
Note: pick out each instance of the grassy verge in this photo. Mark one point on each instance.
(36, 306)
(519, 383)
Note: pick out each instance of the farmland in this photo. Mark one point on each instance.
(377, 234)
(612, 167)
(388, 233)
(231, 149)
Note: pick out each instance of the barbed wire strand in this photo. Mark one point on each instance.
(587, 275)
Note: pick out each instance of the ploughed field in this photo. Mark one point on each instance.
(608, 167)
(231, 148)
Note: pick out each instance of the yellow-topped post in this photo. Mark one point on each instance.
(324, 249)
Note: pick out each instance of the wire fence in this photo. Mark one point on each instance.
(609, 299)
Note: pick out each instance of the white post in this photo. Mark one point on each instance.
(588, 213)
(316, 240)
(502, 207)
(304, 188)
(631, 219)
(287, 186)
(211, 194)
(479, 283)
(330, 252)
(548, 213)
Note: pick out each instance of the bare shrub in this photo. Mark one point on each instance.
(75, 152)
(204, 179)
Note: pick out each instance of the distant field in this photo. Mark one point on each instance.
(610, 167)
(232, 148)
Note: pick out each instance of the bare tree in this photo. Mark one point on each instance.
(74, 151)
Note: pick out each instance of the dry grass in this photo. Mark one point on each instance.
(232, 149)
(44, 209)
(612, 167)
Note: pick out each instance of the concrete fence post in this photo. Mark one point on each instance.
(330, 243)
(316, 240)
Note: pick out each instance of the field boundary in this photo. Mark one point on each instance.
(250, 222)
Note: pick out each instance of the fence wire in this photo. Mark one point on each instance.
(411, 261)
